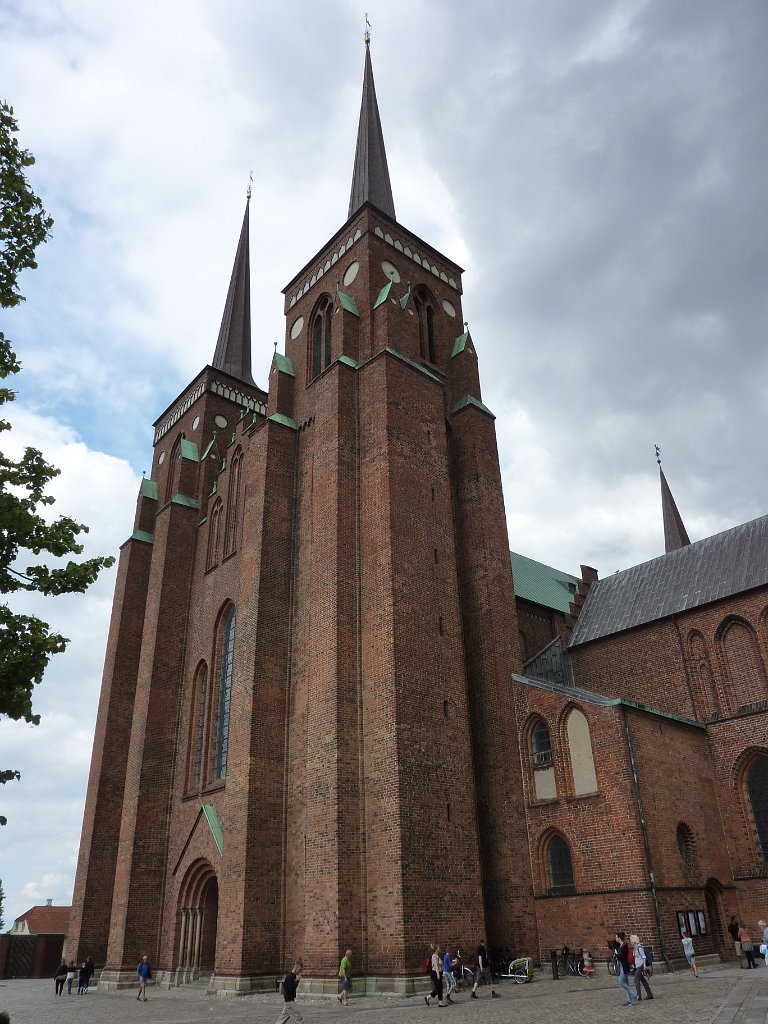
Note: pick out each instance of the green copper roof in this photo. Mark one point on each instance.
(142, 535)
(284, 365)
(188, 450)
(150, 489)
(215, 826)
(349, 361)
(410, 362)
(404, 300)
(541, 584)
(383, 295)
(347, 302)
(468, 400)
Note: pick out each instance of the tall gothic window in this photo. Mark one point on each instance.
(423, 306)
(226, 659)
(541, 746)
(431, 335)
(757, 788)
(321, 337)
(560, 868)
(214, 534)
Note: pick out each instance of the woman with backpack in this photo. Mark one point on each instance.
(640, 967)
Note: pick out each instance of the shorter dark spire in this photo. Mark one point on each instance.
(233, 348)
(675, 534)
(370, 178)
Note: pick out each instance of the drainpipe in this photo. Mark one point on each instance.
(646, 844)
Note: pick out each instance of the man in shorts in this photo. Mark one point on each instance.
(483, 971)
(345, 978)
(144, 972)
(690, 956)
(449, 962)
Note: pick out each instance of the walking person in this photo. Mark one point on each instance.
(622, 955)
(82, 980)
(449, 978)
(290, 984)
(345, 978)
(90, 969)
(640, 967)
(733, 931)
(764, 945)
(60, 977)
(483, 971)
(70, 977)
(144, 972)
(687, 944)
(436, 974)
(747, 947)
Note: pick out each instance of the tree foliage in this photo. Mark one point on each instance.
(26, 641)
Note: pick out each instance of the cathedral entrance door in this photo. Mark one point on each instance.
(713, 897)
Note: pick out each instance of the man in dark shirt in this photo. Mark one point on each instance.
(483, 971)
(733, 931)
(290, 984)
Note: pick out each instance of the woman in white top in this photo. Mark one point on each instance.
(640, 961)
(436, 974)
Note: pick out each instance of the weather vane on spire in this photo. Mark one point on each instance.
(367, 36)
(658, 454)
(250, 185)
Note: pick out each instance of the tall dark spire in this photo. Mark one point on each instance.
(370, 179)
(675, 534)
(233, 348)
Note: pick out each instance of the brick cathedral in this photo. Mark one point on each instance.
(330, 718)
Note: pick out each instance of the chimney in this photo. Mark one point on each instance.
(49, 903)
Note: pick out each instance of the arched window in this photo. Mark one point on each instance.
(197, 727)
(744, 668)
(559, 866)
(580, 747)
(541, 747)
(523, 647)
(431, 335)
(174, 469)
(322, 349)
(226, 659)
(757, 790)
(233, 502)
(702, 684)
(214, 534)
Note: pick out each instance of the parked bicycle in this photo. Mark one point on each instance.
(613, 961)
(573, 960)
(465, 977)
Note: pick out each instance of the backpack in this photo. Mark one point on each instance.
(428, 964)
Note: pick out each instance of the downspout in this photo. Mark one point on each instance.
(646, 844)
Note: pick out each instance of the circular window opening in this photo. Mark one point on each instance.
(686, 843)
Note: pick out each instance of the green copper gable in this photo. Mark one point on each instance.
(347, 302)
(149, 489)
(383, 295)
(284, 365)
(541, 584)
(188, 450)
(215, 826)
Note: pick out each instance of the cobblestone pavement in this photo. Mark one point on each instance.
(721, 995)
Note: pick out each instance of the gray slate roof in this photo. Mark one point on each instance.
(692, 576)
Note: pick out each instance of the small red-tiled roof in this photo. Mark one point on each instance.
(47, 920)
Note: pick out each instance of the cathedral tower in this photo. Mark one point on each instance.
(305, 722)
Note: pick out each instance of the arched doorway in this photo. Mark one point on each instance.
(197, 923)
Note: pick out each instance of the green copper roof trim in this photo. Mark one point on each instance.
(349, 361)
(619, 701)
(215, 486)
(209, 446)
(183, 499)
(215, 826)
(284, 365)
(149, 489)
(188, 450)
(347, 302)
(404, 300)
(383, 295)
(460, 344)
(469, 400)
(410, 362)
(277, 417)
(142, 535)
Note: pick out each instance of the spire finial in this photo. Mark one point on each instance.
(658, 454)
(367, 35)
(250, 187)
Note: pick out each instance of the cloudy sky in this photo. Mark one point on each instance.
(598, 167)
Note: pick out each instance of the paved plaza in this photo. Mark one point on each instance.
(721, 995)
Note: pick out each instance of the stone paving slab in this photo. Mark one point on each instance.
(719, 996)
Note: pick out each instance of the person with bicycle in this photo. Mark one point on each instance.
(622, 954)
(640, 968)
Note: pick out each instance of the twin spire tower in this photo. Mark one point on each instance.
(305, 711)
